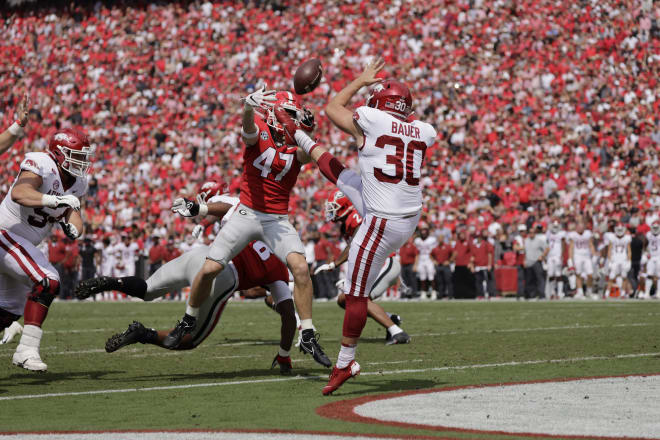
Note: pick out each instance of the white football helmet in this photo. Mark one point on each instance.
(555, 227)
(655, 227)
(620, 230)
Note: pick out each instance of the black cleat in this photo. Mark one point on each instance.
(399, 338)
(182, 328)
(92, 286)
(309, 344)
(136, 332)
(396, 319)
(284, 363)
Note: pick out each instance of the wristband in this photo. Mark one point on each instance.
(203, 209)
(15, 129)
(250, 135)
(49, 200)
(304, 141)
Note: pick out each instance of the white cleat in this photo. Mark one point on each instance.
(10, 332)
(30, 360)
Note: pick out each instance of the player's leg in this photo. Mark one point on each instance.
(239, 230)
(27, 270)
(374, 241)
(281, 237)
(283, 304)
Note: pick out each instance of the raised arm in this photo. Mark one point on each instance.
(257, 99)
(10, 135)
(337, 109)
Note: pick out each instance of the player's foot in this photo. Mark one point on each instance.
(10, 332)
(182, 328)
(29, 359)
(396, 319)
(399, 338)
(309, 344)
(339, 376)
(92, 286)
(284, 363)
(135, 332)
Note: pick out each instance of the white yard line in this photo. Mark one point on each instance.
(369, 373)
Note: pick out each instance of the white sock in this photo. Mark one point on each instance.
(306, 323)
(192, 311)
(283, 353)
(580, 292)
(346, 355)
(31, 337)
(647, 286)
(619, 282)
(394, 330)
(560, 289)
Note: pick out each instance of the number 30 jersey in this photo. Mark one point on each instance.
(269, 173)
(34, 224)
(391, 161)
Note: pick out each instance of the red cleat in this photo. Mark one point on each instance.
(339, 376)
(284, 363)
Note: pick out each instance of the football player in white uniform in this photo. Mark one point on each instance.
(619, 260)
(390, 154)
(580, 253)
(425, 243)
(652, 256)
(46, 191)
(555, 259)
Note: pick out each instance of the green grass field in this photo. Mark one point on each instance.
(453, 344)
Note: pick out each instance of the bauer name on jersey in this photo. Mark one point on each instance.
(392, 153)
(34, 224)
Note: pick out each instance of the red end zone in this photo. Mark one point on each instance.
(348, 409)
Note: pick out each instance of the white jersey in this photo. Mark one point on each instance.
(581, 243)
(34, 224)
(619, 246)
(555, 243)
(653, 246)
(391, 161)
(426, 245)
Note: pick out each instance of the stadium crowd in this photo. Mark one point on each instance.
(546, 110)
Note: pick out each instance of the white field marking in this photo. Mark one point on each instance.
(195, 435)
(324, 377)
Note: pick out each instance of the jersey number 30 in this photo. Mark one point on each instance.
(265, 161)
(398, 159)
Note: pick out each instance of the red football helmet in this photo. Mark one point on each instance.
(337, 206)
(392, 97)
(655, 227)
(210, 189)
(71, 150)
(289, 102)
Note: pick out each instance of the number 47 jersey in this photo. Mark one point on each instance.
(34, 224)
(391, 161)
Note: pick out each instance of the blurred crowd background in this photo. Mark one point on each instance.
(544, 109)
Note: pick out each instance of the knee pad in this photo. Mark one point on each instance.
(355, 316)
(45, 292)
(6, 318)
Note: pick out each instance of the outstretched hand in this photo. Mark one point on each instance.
(368, 77)
(22, 111)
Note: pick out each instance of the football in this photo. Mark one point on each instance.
(308, 76)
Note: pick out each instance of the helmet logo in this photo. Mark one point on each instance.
(378, 88)
(63, 137)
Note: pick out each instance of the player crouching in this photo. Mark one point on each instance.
(46, 192)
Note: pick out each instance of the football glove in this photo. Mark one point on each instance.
(70, 230)
(289, 124)
(260, 97)
(324, 267)
(11, 331)
(51, 201)
(190, 208)
(197, 231)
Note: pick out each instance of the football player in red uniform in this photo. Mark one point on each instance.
(270, 169)
(254, 266)
(339, 209)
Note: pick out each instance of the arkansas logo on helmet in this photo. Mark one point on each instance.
(392, 97)
(289, 102)
(337, 206)
(71, 150)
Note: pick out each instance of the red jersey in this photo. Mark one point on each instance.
(257, 266)
(407, 253)
(442, 253)
(350, 224)
(480, 251)
(269, 173)
(462, 253)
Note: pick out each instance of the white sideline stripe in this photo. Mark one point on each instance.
(371, 373)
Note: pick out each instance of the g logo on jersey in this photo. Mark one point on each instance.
(242, 211)
(264, 135)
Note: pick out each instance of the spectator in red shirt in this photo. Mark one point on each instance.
(463, 276)
(70, 265)
(443, 256)
(519, 249)
(482, 264)
(324, 252)
(408, 257)
(157, 254)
